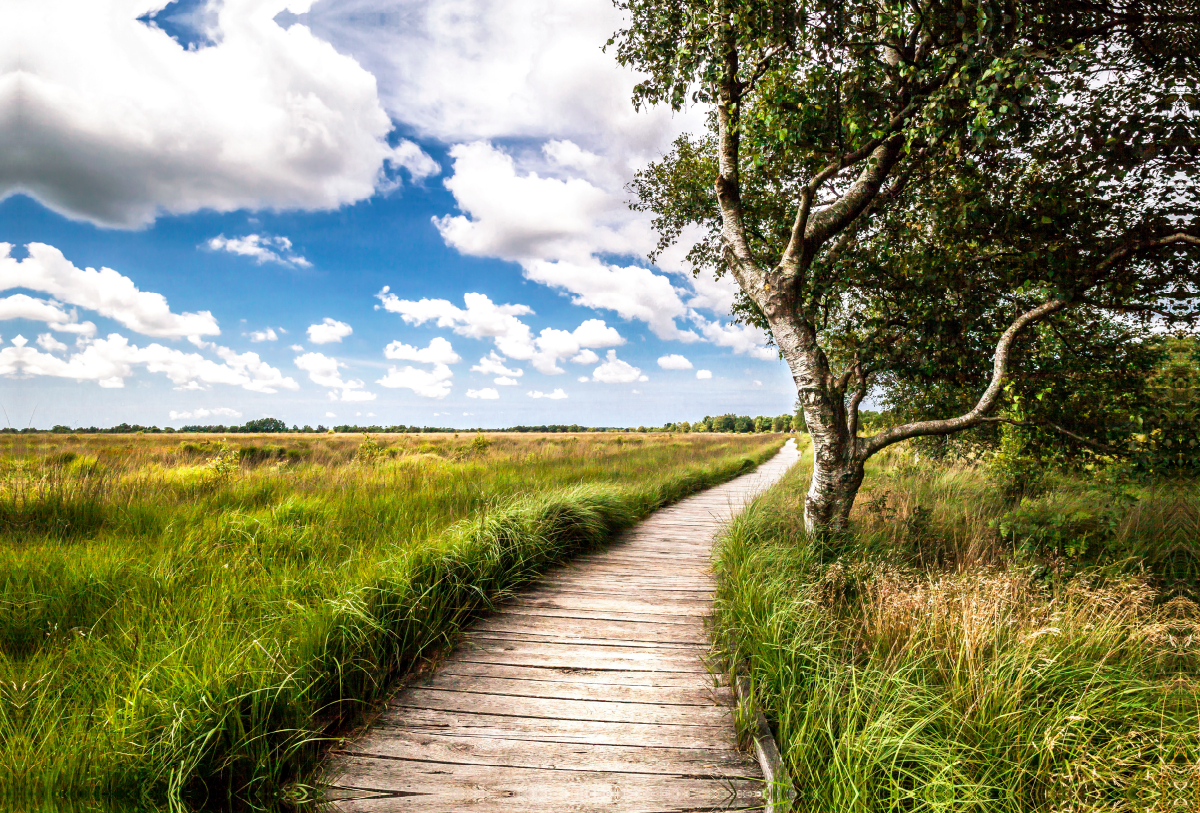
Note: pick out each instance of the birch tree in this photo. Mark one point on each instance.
(894, 182)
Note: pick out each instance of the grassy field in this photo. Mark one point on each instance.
(187, 618)
(964, 650)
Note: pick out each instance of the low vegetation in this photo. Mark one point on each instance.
(190, 617)
(972, 645)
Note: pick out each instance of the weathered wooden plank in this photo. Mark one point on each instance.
(600, 603)
(578, 656)
(515, 608)
(550, 708)
(611, 630)
(600, 732)
(444, 787)
(657, 597)
(533, 637)
(540, 672)
(554, 755)
(692, 694)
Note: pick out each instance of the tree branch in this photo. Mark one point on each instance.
(1004, 348)
(738, 255)
(986, 401)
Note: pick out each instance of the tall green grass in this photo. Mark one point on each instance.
(957, 652)
(173, 628)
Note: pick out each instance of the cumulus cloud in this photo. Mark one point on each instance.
(262, 248)
(267, 335)
(47, 342)
(704, 374)
(482, 318)
(328, 331)
(493, 364)
(433, 383)
(22, 306)
(743, 339)
(218, 412)
(105, 291)
(674, 361)
(557, 395)
(615, 371)
(108, 119)
(505, 381)
(522, 216)
(111, 360)
(326, 372)
(439, 351)
(487, 394)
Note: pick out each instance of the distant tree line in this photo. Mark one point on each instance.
(720, 423)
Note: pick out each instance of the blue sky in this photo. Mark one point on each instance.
(202, 229)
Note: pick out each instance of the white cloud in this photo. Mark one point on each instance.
(742, 339)
(488, 394)
(328, 331)
(615, 371)
(634, 292)
(297, 348)
(554, 345)
(262, 248)
(674, 362)
(557, 395)
(107, 119)
(47, 342)
(439, 351)
(493, 364)
(483, 318)
(107, 292)
(525, 216)
(111, 360)
(218, 412)
(433, 383)
(583, 379)
(267, 335)
(330, 415)
(22, 306)
(326, 372)
(703, 374)
(505, 381)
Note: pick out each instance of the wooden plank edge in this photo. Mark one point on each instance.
(779, 792)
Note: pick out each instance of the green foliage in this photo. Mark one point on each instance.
(369, 451)
(1015, 468)
(1166, 434)
(224, 464)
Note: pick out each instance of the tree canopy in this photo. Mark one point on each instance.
(912, 193)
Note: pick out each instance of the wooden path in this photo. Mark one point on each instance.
(589, 692)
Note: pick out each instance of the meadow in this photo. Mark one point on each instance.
(195, 618)
(969, 647)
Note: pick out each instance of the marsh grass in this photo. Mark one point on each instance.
(958, 652)
(191, 620)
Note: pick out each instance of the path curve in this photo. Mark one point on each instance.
(588, 692)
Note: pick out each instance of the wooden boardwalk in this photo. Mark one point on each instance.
(589, 692)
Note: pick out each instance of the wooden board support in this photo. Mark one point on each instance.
(589, 692)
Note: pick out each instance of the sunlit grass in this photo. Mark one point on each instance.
(959, 653)
(176, 624)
